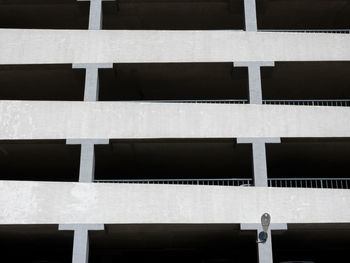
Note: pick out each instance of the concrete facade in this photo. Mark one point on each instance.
(90, 120)
(109, 46)
(86, 203)
(85, 206)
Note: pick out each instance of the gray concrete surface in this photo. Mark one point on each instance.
(101, 120)
(93, 203)
(87, 157)
(113, 46)
(81, 240)
(259, 157)
(254, 75)
(265, 254)
(92, 79)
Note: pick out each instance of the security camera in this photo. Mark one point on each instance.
(265, 223)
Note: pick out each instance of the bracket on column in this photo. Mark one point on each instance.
(81, 239)
(91, 79)
(265, 249)
(254, 76)
(87, 157)
(259, 157)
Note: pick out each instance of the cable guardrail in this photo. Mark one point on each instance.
(321, 102)
(218, 182)
(330, 183)
(333, 103)
(329, 31)
(229, 101)
(327, 183)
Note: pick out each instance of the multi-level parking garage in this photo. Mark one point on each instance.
(162, 130)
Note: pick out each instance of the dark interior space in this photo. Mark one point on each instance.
(173, 159)
(306, 80)
(308, 158)
(44, 14)
(316, 243)
(173, 81)
(39, 160)
(35, 244)
(173, 243)
(173, 14)
(303, 14)
(41, 82)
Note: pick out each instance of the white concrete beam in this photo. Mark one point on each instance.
(117, 120)
(94, 203)
(20, 46)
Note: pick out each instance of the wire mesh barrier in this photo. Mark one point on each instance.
(329, 31)
(331, 183)
(219, 182)
(196, 101)
(333, 103)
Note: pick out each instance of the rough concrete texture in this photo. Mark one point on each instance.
(20, 46)
(112, 120)
(90, 203)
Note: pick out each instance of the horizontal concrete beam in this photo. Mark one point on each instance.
(90, 203)
(113, 120)
(19, 46)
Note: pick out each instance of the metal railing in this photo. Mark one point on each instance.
(334, 103)
(332, 31)
(331, 183)
(239, 101)
(219, 181)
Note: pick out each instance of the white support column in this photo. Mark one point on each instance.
(264, 249)
(81, 240)
(254, 75)
(91, 79)
(259, 157)
(95, 18)
(250, 15)
(91, 75)
(87, 157)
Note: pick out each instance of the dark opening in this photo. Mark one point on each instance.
(314, 243)
(173, 81)
(306, 80)
(173, 14)
(35, 244)
(44, 14)
(173, 159)
(308, 158)
(39, 160)
(173, 243)
(301, 14)
(41, 82)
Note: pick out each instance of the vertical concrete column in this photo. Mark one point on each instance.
(259, 157)
(87, 157)
(251, 23)
(91, 79)
(91, 76)
(264, 249)
(95, 17)
(81, 240)
(254, 75)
